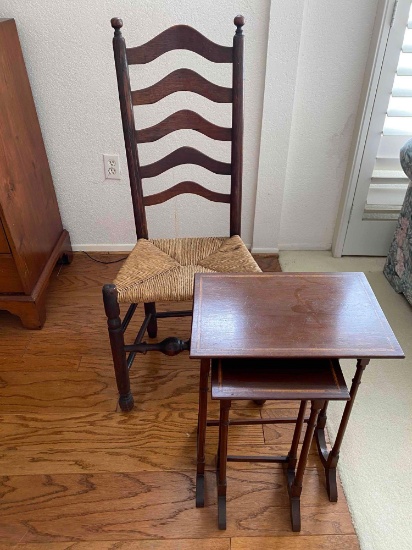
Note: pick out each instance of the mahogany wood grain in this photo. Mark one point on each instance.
(311, 315)
(4, 243)
(185, 155)
(30, 225)
(182, 80)
(9, 276)
(183, 120)
(276, 379)
(185, 187)
(179, 37)
(28, 204)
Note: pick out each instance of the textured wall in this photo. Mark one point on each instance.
(333, 52)
(68, 53)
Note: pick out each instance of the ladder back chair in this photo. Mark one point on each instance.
(163, 269)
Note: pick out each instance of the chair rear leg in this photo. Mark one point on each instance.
(116, 335)
(150, 308)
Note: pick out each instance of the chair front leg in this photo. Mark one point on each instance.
(116, 335)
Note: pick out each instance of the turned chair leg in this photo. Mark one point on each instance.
(150, 308)
(116, 335)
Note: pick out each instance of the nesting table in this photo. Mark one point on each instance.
(293, 316)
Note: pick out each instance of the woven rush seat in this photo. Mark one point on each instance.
(163, 269)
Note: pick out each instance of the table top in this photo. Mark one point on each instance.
(333, 315)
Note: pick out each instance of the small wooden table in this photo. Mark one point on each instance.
(288, 315)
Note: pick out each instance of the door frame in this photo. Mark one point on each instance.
(383, 22)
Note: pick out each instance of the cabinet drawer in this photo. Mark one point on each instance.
(9, 277)
(4, 245)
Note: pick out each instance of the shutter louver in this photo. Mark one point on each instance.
(388, 181)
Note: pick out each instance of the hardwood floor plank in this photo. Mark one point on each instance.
(36, 363)
(175, 544)
(113, 442)
(77, 473)
(76, 391)
(297, 542)
(158, 505)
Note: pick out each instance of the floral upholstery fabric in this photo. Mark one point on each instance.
(398, 267)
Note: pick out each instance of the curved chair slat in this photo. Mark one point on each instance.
(179, 37)
(182, 80)
(185, 187)
(183, 120)
(185, 155)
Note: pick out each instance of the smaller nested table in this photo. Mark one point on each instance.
(289, 316)
(304, 380)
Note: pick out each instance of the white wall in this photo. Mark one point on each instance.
(68, 53)
(333, 53)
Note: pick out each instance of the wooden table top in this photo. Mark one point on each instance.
(289, 315)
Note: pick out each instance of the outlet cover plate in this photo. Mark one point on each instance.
(111, 167)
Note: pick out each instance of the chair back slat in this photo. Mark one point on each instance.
(179, 37)
(182, 80)
(185, 187)
(185, 155)
(183, 120)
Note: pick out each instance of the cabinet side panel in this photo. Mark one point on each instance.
(28, 205)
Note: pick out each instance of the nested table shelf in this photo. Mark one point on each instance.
(289, 315)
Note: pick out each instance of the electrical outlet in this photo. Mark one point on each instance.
(111, 167)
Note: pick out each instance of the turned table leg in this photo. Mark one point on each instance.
(330, 458)
(201, 432)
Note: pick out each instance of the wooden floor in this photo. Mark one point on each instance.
(77, 473)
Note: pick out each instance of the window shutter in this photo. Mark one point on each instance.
(389, 182)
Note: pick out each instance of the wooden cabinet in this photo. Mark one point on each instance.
(32, 238)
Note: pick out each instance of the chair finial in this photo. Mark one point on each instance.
(117, 24)
(239, 21)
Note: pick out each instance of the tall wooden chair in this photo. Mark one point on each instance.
(163, 269)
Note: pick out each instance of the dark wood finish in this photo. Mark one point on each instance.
(29, 214)
(186, 187)
(183, 120)
(72, 465)
(4, 243)
(9, 276)
(300, 379)
(330, 458)
(295, 480)
(289, 315)
(185, 155)
(179, 37)
(116, 334)
(237, 129)
(129, 132)
(271, 380)
(182, 80)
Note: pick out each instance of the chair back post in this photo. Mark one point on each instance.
(237, 129)
(126, 108)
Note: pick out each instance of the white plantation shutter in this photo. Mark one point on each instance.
(388, 181)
